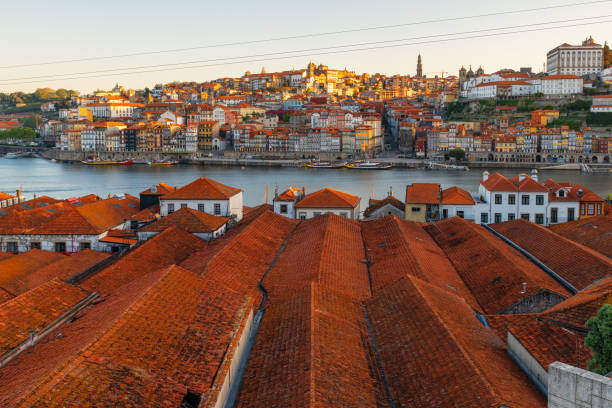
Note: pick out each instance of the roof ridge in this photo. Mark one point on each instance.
(459, 345)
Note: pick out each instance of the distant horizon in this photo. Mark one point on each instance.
(117, 28)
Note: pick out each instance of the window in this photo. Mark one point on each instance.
(343, 214)
(539, 219)
(484, 218)
(283, 209)
(217, 209)
(510, 216)
(525, 216)
(598, 209)
(11, 247)
(35, 245)
(498, 217)
(302, 216)
(511, 199)
(498, 198)
(570, 214)
(201, 207)
(460, 214)
(554, 215)
(416, 209)
(561, 193)
(170, 208)
(84, 245)
(60, 247)
(582, 209)
(591, 209)
(183, 205)
(445, 213)
(316, 214)
(525, 199)
(539, 200)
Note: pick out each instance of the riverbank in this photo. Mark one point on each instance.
(404, 163)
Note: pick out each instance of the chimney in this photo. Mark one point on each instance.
(303, 191)
(522, 177)
(534, 174)
(580, 192)
(485, 175)
(524, 288)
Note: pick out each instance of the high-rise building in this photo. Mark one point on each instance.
(578, 60)
(419, 67)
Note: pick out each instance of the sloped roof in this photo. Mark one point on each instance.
(329, 198)
(159, 189)
(291, 194)
(497, 182)
(189, 220)
(398, 248)
(19, 267)
(34, 310)
(315, 343)
(423, 193)
(166, 248)
(327, 250)
(493, 271)
(593, 232)
(61, 266)
(203, 189)
(579, 265)
(449, 351)
(390, 200)
(456, 196)
(5, 196)
(527, 183)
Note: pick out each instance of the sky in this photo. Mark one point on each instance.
(42, 31)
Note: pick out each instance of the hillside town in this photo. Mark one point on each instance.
(185, 297)
(504, 116)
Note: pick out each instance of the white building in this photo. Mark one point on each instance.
(93, 138)
(114, 110)
(602, 104)
(503, 199)
(328, 201)
(204, 195)
(203, 225)
(575, 59)
(284, 203)
(456, 202)
(564, 84)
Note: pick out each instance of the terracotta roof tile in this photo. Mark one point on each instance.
(493, 271)
(312, 349)
(189, 220)
(527, 184)
(376, 204)
(203, 189)
(593, 232)
(577, 264)
(159, 189)
(449, 351)
(397, 248)
(167, 248)
(423, 193)
(16, 269)
(456, 196)
(291, 194)
(497, 182)
(62, 267)
(329, 198)
(327, 250)
(34, 310)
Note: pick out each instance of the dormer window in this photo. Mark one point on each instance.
(561, 193)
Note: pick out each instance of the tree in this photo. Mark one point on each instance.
(286, 118)
(599, 340)
(457, 154)
(31, 121)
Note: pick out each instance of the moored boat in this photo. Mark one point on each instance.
(369, 166)
(163, 163)
(323, 165)
(107, 162)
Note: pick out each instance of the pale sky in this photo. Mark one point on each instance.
(41, 31)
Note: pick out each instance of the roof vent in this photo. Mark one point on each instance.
(154, 189)
(524, 288)
(580, 193)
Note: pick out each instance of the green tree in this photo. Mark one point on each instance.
(31, 121)
(599, 340)
(19, 133)
(286, 118)
(457, 154)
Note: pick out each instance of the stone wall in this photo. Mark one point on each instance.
(570, 387)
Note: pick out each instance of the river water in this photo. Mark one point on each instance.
(63, 180)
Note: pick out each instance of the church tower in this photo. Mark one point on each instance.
(419, 67)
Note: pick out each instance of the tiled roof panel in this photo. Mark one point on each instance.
(492, 270)
(16, 269)
(456, 196)
(203, 189)
(376, 204)
(593, 232)
(423, 193)
(189, 220)
(577, 264)
(329, 198)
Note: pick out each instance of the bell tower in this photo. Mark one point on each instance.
(419, 71)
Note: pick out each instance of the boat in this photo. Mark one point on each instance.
(13, 155)
(323, 165)
(163, 163)
(107, 162)
(369, 166)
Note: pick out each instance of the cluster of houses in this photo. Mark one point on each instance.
(208, 209)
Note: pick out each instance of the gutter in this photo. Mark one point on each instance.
(536, 261)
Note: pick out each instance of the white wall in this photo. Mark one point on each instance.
(313, 212)
(233, 206)
(290, 208)
(570, 387)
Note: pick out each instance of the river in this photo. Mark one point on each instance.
(63, 180)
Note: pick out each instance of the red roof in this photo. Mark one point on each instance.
(203, 189)
(456, 196)
(189, 220)
(329, 198)
(159, 189)
(376, 204)
(593, 232)
(291, 194)
(497, 182)
(423, 193)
